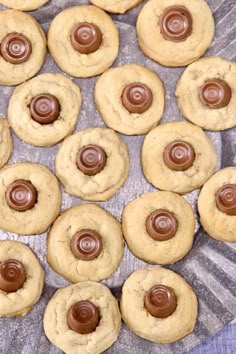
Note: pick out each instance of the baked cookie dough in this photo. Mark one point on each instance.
(178, 157)
(83, 41)
(217, 205)
(206, 93)
(116, 7)
(6, 144)
(22, 47)
(158, 305)
(130, 98)
(173, 32)
(21, 279)
(93, 164)
(44, 110)
(23, 5)
(159, 227)
(30, 198)
(85, 243)
(83, 318)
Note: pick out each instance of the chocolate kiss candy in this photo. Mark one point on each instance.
(44, 108)
(16, 48)
(86, 38)
(226, 199)
(176, 23)
(161, 225)
(21, 195)
(12, 275)
(86, 245)
(179, 155)
(83, 317)
(137, 98)
(215, 93)
(160, 301)
(91, 159)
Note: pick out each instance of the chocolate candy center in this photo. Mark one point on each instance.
(137, 98)
(86, 38)
(226, 199)
(176, 23)
(179, 155)
(91, 159)
(86, 245)
(215, 93)
(21, 195)
(83, 317)
(16, 48)
(12, 275)
(161, 225)
(160, 301)
(44, 108)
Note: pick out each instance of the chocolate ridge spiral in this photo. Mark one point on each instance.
(226, 199)
(44, 108)
(16, 48)
(137, 98)
(21, 195)
(86, 244)
(179, 155)
(161, 225)
(86, 38)
(83, 317)
(215, 93)
(12, 275)
(160, 301)
(91, 159)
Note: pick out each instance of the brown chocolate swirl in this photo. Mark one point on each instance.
(86, 38)
(226, 199)
(16, 48)
(179, 155)
(160, 301)
(21, 195)
(215, 93)
(86, 245)
(137, 98)
(91, 159)
(12, 275)
(44, 108)
(161, 225)
(83, 317)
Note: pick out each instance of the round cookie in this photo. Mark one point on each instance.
(100, 314)
(164, 223)
(116, 7)
(23, 47)
(21, 279)
(88, 43)
(6, 143)
(217, 205)
(206, 93)
(44, 110)
(173, 32)
(178, 157)
(30, 198)
(85, 243)
(86, 164)
(158, 305)
(130, 98)
(23, 5)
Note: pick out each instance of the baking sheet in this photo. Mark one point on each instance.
(209, 267)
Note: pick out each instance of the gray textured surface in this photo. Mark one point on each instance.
(209, 267)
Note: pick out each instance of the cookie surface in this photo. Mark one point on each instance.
(23, 5)
(104, 184)
(58, 331)
(175, 36)
(39, 97)
(20, 302)
(158, 330)
(217, 110)
(114, 6)
(193, 148)
(6, 143)
(26, 47)
(217, 223)
(73, 61)
(40, 196)
(110, 88)
(85, 264)
(172, 229)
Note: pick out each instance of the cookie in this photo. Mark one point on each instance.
(116, 7)
(23, 47)
(6, 143)
(93, 164)
(158, 305)
(130, 98)
(30, 198)
(23, 5)
(159, 227)
(178, 157)
(83, 318)
(85, 243)
(88, 43)
(44, 110)
(217, 205)
(206, 93)
(173, 32)
(21, 279)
